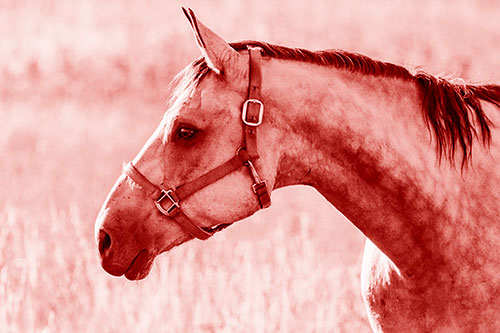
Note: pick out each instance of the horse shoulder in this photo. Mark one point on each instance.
(398, 303)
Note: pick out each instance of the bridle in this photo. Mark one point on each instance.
(252, 113)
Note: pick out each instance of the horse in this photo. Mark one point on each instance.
(409, 158)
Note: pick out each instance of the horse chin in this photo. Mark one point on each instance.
(141, 266)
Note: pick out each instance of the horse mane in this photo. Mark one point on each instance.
(452, 110)
(455, 114)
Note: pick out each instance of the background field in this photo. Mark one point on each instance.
(82, 86)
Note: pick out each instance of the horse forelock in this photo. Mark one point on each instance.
(452, 110)
(186, 81)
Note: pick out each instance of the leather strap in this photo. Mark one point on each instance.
(185, 190)
(262, 194)
(151, 189)
(253, 109)
(168, 201)
(186, 224)
(254, 115)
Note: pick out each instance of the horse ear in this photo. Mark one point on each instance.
(217, 52)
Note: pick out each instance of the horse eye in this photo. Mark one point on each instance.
(185, 133)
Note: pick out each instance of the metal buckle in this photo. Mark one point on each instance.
(166, 194)
(257, 186)
(244, 113)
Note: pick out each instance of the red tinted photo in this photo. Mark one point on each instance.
(234, 166)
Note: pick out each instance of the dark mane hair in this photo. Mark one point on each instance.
(452, 111)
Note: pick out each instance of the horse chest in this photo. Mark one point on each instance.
(396, 304)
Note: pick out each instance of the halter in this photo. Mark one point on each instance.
(168, 201)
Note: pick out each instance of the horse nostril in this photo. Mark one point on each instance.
(104, 242)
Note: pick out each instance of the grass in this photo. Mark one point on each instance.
(82, 86)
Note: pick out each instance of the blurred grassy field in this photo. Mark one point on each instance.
(82, 86)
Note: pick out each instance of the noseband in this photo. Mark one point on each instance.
(168, 201)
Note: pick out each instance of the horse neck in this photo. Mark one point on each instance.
(362, 142)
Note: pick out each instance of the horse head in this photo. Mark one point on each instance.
(199, 170)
